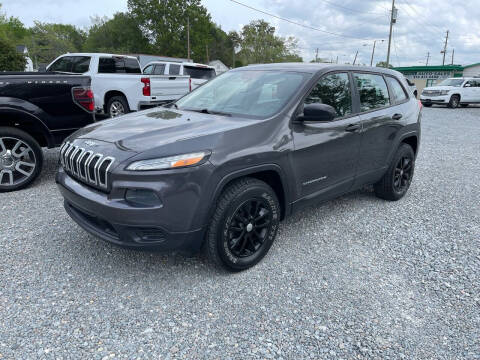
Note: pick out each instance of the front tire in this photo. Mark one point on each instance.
(117, 106)
(454, 101)
(244, 225)
(396, 181)
(21, 159)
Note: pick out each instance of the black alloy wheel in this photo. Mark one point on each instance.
(244, 224)
(248, 227)
(403, 174)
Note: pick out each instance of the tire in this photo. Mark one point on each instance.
(21, 159)
(454, 101)
(233, 228)
(464, 105)
(396, 181)
(117, 106)
(415, 93)
(427, 104)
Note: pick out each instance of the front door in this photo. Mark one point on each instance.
(326, 153)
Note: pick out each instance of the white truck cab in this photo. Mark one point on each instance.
(198, 73)
(118, 84)
(452, 92)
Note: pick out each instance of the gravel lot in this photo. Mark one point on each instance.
(357, 277)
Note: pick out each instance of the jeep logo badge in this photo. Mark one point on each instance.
(91, 143)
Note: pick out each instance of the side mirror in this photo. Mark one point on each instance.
(317, 112)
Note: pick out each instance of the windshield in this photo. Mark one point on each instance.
(247, 93)
(451, 82)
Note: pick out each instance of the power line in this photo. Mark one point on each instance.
(297, 23)
(420, 15)
(350, 9)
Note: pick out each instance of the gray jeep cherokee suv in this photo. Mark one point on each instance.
(223, 165)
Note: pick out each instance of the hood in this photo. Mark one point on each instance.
(152, 128)
(437, 88)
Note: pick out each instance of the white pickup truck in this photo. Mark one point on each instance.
(118, 84)
(198, 73)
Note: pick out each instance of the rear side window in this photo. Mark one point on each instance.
(71, 64)
(174, 69)
(196, 72)
(372, 90)
(159, 69)
(398, 93)
(333, 90)
(113, 65)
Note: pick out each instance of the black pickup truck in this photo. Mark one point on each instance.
(38, 110)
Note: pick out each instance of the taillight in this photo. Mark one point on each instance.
(420, 104)
(146, 86)
(190, 83)
(83, 96)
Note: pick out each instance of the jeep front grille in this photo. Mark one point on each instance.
(85, 165)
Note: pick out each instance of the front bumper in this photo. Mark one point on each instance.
(443, 99)
(115, 221)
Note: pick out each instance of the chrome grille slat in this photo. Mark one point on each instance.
(86, 165)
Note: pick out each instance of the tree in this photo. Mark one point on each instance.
(164, 22)
(10, 59)
(51, 40)
(383, 64)
(259, 44)
(121, 34)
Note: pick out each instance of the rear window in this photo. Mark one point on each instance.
(159, 69)
(114, 65)
(199, 72)
(71, 64)
(398, 93)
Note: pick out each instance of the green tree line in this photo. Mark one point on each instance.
(156, 27)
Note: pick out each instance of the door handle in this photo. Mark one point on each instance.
(352, 127)
(397, 116)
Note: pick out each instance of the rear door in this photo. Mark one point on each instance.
(382, 109)
(468, 91)
(326, 153)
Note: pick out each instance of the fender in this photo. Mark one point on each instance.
(248, 171)
(22, 119)
(400, 140)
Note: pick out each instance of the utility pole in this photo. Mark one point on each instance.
(316, 55)
(444, 51)
(453, 54)
(208, 60)
(336, 62)
(373, 51)
(354, 60)
(188, 38)
(428, 58)
(393, 20)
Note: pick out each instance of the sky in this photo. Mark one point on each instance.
(421, 25)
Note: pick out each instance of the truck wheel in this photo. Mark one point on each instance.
(454, 101)
(396, 181)
(21, 159)
(244, 225)
(117, 106)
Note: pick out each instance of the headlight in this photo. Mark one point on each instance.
(171, 162)
(444, 92)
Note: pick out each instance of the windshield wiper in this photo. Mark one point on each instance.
(211, 112)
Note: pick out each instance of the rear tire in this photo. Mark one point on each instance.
(243, 226)
(21, 159)
(396, 181)
(454, 101)
(117, 106)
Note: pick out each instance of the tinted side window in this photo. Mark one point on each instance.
(174, 69)
(111, 65)
(397, 90)
(80, 64)
(148, 70)
(132, 66)
(63, 64)
(373, 91)
(333, 90)
(159, 69)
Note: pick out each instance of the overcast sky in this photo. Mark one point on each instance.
(420, 27)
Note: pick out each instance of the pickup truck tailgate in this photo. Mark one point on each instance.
(171, 87)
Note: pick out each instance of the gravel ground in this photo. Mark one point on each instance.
(357, 277)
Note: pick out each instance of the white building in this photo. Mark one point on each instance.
(22, 49)
(219, 66)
